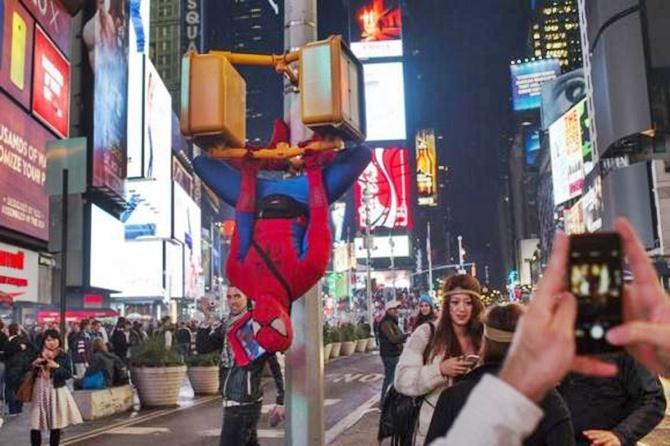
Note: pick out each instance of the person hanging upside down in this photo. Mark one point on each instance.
(281, 243)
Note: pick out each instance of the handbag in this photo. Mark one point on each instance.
(94, 381)
(400, 413)
(25, 391)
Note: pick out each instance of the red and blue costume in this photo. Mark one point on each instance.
(277, 256)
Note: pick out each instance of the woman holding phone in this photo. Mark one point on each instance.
(438, 353)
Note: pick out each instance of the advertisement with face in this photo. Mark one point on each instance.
(19, 274)
(375, 28)
(24, 205)
(559, 95)
(385, 101)
(528, 79)
(187, 229)
(17, 52)
(592, 202)
(382, 190)
(105, 36)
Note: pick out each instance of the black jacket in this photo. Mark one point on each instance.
(630, 404)
(18, 354)
(81, 348)
(120, 343)
(555, 429)
(183, 336)
(61, 374)
(111, 365)
(391, 338)
(3, 344)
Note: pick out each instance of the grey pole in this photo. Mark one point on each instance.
(304, 360)
(368, 254)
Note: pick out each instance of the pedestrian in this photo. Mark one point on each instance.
(98, 331)
(121, 341)
(4, 339)
(113, 368)
(241, 385)
(500, 322)
(426, 312)
(53, 407)
(438, 354)
(391, 340)
(17, 358)
(81, 349)
(183, 335)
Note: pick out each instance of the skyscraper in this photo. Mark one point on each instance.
(554, 33)
(165, 47)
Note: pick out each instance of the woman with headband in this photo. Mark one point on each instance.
(439, 353)
(500, 321)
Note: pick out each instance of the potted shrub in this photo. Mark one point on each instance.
(203, 372)
(335, 338)
(348, 339)
(363, 337)
(157, 372)
(327, 343)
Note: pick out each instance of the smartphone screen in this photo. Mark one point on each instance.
(595, 278)
(18, 56)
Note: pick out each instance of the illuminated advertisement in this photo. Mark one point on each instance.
(559, 95)
(527, 81)
(382, 247)
(426, 168)
(54, 19)
(17, 52)
(375, 28)
(105, 35)
(142, 269)
(174, 269)
(531, 144)
(187, 229)
(338, 212)
(574, 219)
(51, 85)
(592, 204)
(382, 190)
(192, 23)
(19, 273)
(107, 251)
(384, 101)
(24, 205)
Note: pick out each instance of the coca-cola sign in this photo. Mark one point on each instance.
(18, 273)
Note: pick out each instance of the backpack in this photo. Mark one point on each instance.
(400, 413)
(121, 376)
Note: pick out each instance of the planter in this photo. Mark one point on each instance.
(361, 345)
(348, 348)
(327, 349)
(158, 386)
(335, 352)
(204, 380)
(371, 344)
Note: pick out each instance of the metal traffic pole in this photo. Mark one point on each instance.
(304, 360)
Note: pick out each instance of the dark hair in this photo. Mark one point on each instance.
(84, 323)
(13, 329)
(51, 333)
(445, 342)
(99, 345)
(503, 317)
(422, 319)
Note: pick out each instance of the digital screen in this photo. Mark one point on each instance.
(381, 247)
(51, 85)
(17, 52)
(574, 219)
(375, 28)
(105, 35)
(338, 212)
(559, 95)
(426, 168)
(527, 81)
(142, 269)
(382, 191)
(19, 276)
(187, 229)
(531, 143)
(385, 101)
(107, 251)
(54, 19)
(24, 205)
(592, 203)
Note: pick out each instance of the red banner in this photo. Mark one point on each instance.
(73, 316)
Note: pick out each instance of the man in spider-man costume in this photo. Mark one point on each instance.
(281, 243)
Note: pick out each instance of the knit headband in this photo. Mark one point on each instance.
(497, 335)
(462, 291)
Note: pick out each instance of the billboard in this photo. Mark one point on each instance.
(531, 144)
(17, 52)
(382, 247)
(107, 251)
(187, 229)
(382, 191)
(574, 218)
(527, 81)
(559, 95)
(571, 153)
(142, 269)
(426, 168)
(19, 273)
(105, 35)
(54, 19)
(24, 205)
(338, 212)
(592, 204)
(375, 28)
(192, 26)
(385, 101)
(51, 85)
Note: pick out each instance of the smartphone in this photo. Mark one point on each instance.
(18, 57)
(248, 341)
(595, 278)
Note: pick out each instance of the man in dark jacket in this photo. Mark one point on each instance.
(616, 411)
(241, 386)
(183, 335)
(391, 339)
(81, 348)
(18, 353)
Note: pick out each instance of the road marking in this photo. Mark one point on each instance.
(330, 401)
(140, 430)
(262, 433)
(351, 377)
(347, 422)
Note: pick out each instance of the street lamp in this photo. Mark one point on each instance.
(461, 255)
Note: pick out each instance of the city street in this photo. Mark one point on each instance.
(352, 385)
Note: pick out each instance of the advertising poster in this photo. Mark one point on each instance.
(375, 28)
(24, 205)
(51, 85)
(105, 36)
(385, 101)
(382, 190)
(574, 219)
(54, 19)
(568, 145)
(187, 229)
(426, 168)
(531, 144)
(16, 65)
(142, 269)
(573, 146)
(381, 247)
(19, 273)
(108, 256)
(592, 203)
(528, 79)
(559, 95)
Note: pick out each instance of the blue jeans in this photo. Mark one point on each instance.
(390, 362)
